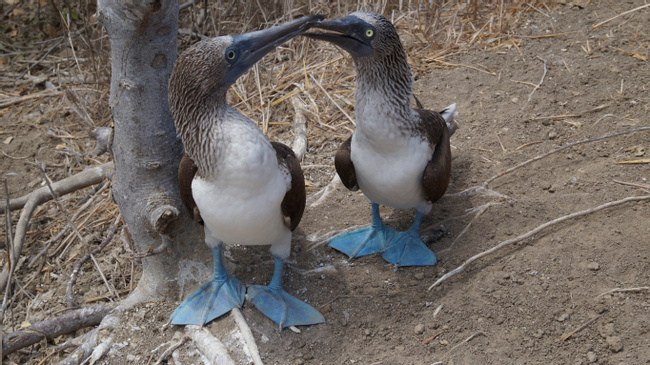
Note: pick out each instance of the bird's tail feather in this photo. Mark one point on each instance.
(449, 114)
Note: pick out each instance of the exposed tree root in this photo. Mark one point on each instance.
(31, 201)
(66, 323)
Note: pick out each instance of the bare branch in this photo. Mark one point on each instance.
(533, 232)
(68, 322)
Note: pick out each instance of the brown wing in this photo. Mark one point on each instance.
(436, 175)
(293, 204)
(186, 171)
(345, 167)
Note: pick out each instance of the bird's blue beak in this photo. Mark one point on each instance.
(248, 48)
(352, 34)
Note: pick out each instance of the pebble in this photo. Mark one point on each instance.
(593, 266)
(419, 275)
(614, 343)
(592, 357)
(419, 329)
(552, 135)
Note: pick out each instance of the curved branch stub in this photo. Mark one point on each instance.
(162, 216)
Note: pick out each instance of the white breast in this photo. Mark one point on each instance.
(389, 166)
(241, 205)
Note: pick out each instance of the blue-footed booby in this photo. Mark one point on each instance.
(398, 156)
(244, 189)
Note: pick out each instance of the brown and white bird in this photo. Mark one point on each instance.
(244, 189)
(398, 156)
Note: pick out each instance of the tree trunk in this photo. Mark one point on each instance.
(146, 149)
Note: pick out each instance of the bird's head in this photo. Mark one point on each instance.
(216, 63)
(362, 34)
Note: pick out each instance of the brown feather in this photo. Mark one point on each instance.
(436, 175)
(186, 171)
(293, 204)
(345, 167)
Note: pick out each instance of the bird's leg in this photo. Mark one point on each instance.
(407, 249)
(283, 308)
(213, 299)
(364, 241)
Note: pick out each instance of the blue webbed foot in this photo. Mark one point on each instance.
(407, 249)
(364, 241)
(212, 299)
(283, 308)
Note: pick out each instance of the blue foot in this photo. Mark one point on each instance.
(283, 308)
(364, 241)
(212, 299)
(407, 249)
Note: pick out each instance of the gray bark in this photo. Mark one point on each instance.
(146, 149)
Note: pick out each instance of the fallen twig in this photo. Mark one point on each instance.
(247, 334)
(640, 186)
(299, 146)
(465, 341)
(209, 345)
(625, 290)
(574, 115)
(540, 81)
(66, 323)
(583, 326)
(90, 176)
(619, 15)
(535, 231)
(167, 353)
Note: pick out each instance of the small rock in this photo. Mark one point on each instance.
(419, 275)
(592, 357)
(552, 135)
(399, 348)
(444, 342)
(614, 343)
(593, 266)
(419, 329)
(366, 332)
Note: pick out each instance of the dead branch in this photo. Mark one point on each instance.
(540, 81)
(574, 115)
(619, 15)
(247, 335)
(583, 326)
(626, 290)
(93, 175)
(68, 322)
(483, 186)
(465, 341)
(528, 234)
(167, 353)
(69, 298)
(299, 146)
(209, 345)
(90, 176)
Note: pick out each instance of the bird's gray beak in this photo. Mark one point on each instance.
(251, 47)
(351, 35)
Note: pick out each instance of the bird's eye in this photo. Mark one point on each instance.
(231, 55)
(370, 33)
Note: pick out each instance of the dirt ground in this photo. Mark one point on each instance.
(512, 307)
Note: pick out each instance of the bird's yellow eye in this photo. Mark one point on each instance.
(231, 55)
(370, 33)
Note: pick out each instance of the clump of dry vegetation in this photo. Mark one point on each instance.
(55, 72)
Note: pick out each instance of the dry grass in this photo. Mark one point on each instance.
(56, 60)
